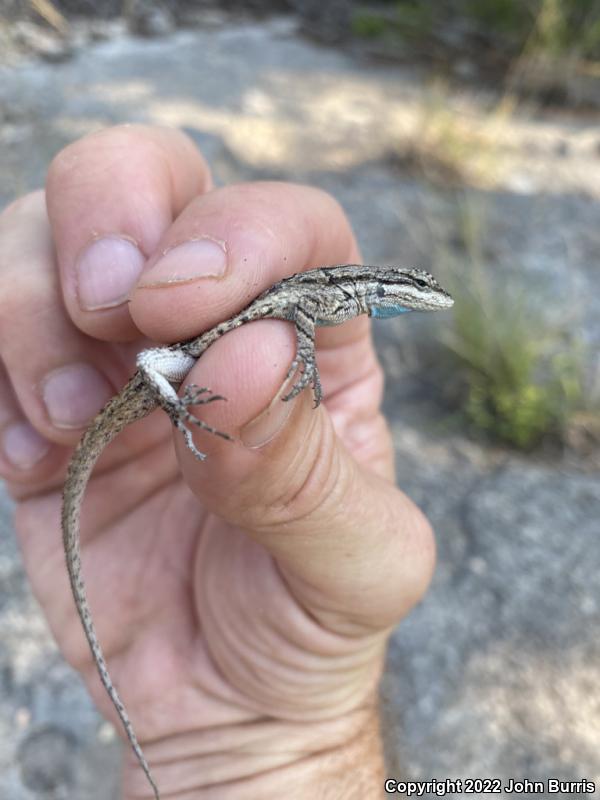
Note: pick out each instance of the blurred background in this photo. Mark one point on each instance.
(460, 136)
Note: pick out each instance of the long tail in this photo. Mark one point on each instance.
(135, 401)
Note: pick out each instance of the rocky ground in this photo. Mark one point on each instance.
(497, 673)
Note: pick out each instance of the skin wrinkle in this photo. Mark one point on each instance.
(208, 694)
(379, 456)
(326, 463)
(372, 376)
(332, 714)
(354, 422)
(210, 689)
(309, 463)
(220, 784)
(250, 734)
(204, 611)
(214, 615)
(224, 679)
(356, 657)
(311, 610)
(221, 621)
(328, 754)
(288, 644)
(285, 632)
(208, 742)
(303, 608)
(241, 749)
(415, 528)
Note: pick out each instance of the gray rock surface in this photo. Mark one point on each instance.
(497, 672)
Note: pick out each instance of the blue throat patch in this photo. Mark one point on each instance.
(383, 312)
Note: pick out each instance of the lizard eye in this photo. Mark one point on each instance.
(380, 291)
(421, 283)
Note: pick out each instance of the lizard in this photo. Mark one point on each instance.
(317, 297)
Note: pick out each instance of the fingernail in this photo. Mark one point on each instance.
(74, 394)
(265, 427)
(196, 258)
(23, 446)
(107, 270)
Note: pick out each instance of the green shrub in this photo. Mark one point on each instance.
(552, 27)
(521, 377)
(367, 25)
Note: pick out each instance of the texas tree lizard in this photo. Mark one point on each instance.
(317, 297)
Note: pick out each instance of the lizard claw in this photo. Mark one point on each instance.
(192, 420)
(310, 375)
(196, 396)
(182, 419)
(189, 442)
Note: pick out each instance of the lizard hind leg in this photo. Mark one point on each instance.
(304, 322)
(161, 367)
(182, 419)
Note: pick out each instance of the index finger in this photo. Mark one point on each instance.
(229, 245)
(111, 196)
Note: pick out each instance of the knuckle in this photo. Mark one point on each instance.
(82, 160)
(92, 157)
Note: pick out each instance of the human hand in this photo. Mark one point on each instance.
(243, 603)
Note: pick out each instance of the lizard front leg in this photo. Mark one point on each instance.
(305, 321)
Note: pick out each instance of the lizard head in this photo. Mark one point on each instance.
(396, 290)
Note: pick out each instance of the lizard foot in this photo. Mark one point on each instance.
(197, 396)
(182, 419)
(310, 375)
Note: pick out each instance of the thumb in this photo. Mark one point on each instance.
(352, 547)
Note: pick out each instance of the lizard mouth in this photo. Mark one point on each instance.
(444, 302)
